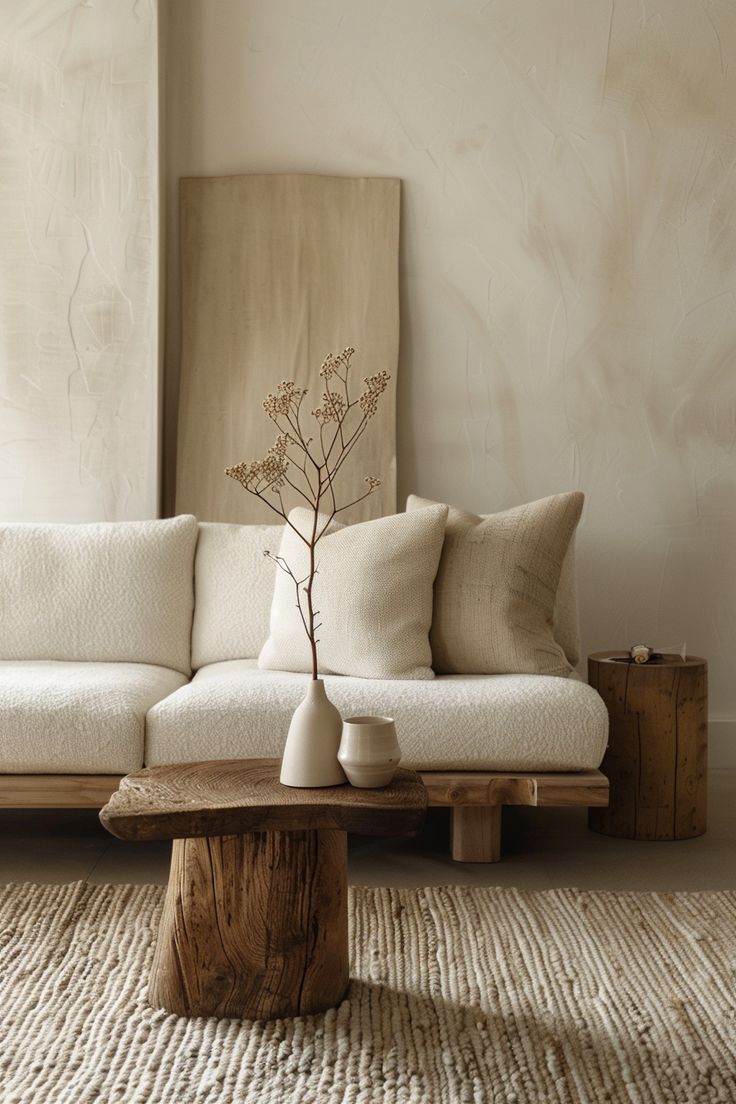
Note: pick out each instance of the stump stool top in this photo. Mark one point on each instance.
(656, 759)
(235, 796)
(667, 660)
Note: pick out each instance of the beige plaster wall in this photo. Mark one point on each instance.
(79, 260)
(568, 257)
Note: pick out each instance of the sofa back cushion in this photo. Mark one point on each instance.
(233, 585)
(111, 592)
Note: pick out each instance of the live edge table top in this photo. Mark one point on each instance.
(237, 796)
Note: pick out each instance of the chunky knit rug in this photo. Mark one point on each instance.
(459, 995)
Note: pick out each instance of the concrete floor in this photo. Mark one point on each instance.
(543, 849)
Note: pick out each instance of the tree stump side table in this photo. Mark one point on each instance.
(658, 745)
(255, 920)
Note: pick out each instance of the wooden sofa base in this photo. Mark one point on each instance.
(475, 798)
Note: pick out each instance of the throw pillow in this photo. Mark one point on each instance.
(496, 588)
(373, 591)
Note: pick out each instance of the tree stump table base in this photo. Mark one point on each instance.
(254, 926)
(255, 922)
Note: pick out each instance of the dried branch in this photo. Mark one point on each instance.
(267, 478)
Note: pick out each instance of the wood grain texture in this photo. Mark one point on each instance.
(656, 761)
(254, 926)
(475, 833)
(277, 271)
(56, 791)
(455, 788)
(444, 788)
(233, 796)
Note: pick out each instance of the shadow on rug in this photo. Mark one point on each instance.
(459, 994)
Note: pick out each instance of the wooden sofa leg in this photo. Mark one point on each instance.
(476, 833)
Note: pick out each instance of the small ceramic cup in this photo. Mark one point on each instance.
(369, 751)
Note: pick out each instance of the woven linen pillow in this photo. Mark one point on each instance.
(496, 588)
(373, 591)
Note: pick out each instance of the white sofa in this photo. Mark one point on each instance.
(135, 644)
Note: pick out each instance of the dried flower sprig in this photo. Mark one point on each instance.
(308, 465)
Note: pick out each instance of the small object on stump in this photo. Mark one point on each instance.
(255, 921)
(640, 653)
(658, 746)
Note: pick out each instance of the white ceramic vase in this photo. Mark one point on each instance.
(310, 754)
(369, 751)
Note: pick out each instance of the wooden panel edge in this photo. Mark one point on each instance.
(567, 790)
(444, 788)
(451, 788)
(56, 791)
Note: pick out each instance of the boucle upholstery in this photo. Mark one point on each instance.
(69, 718)
(453, 722)
(233, 589)
(110, 592)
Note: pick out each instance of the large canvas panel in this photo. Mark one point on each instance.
(277, 271)
(79, 379)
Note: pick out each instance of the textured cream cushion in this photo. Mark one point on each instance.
(233, 590)
(373, 591)
(454, 722)
(496, 588)
(117, 592)
(77, 718)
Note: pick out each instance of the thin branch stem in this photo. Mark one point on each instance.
(355, 501)
(349, 447)
(282, 563)
(259, 480)
(299, 491)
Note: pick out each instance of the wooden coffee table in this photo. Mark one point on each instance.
(255, 920)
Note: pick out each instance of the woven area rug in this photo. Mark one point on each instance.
(459, 994)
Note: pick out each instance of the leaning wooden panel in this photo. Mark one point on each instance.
(277, 271)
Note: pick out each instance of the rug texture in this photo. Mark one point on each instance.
(459, 994)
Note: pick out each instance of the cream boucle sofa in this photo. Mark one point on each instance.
(102, 627)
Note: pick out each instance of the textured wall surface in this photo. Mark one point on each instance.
(78, 260)
(568, 257)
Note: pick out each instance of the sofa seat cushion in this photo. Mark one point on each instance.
(234, 710)
(77, 718)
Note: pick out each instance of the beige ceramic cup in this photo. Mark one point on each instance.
(369, 751)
